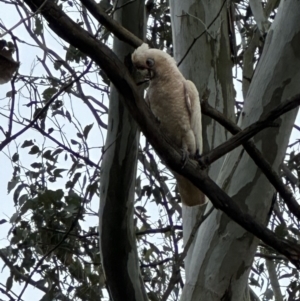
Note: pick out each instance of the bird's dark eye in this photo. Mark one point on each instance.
(150, 63)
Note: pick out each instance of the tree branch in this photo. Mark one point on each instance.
(241, 136)
(159, 230)
(116, 28)
(72, 33)
(256, 155)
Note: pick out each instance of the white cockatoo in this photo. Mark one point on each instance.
(174, 101)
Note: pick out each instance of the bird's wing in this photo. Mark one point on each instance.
(194, 109)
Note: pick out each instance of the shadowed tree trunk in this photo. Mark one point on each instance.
(118, 174)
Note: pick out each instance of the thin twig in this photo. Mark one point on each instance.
(43, 110)
(69, 150)
(23, 20)
(244, 135)
(25, 278)
(206, 29)
(159, 230)
(202, 33)
(257, 157)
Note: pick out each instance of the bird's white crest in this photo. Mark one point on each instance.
(143, 47)
(139, 52)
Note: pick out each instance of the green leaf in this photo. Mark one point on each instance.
(18, 191)
(254, 282)
(69, 184)
(57, 64)
(14, 217)
(36, 165)
(32, 174)
(74, 142)
(281, 230)
(38, 113)
(57, 172)
(68, 115)
(38, 30)
(30, 204)
(294, 230)
(269, 294)
(105, 78)
(57, 152)
(77, 175)
(27, 143)
(84, 181)
(47, 155)
(261, 268)
(58, 112)
(141, 209)
(54, 81)
(57, 104)
(34, 150)
(12, 184)
(87, 130)
(73, 54)
(157, 195)
(9, 283)
(49, 92)
(10, 93)
(22, 199)
(15, 157)
(138, 189)
(92, 188)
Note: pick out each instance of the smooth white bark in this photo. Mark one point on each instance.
(191, 215)
(210, 69)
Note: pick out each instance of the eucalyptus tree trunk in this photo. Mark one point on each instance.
(223, 251)
(208, 64)
(118, 174)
